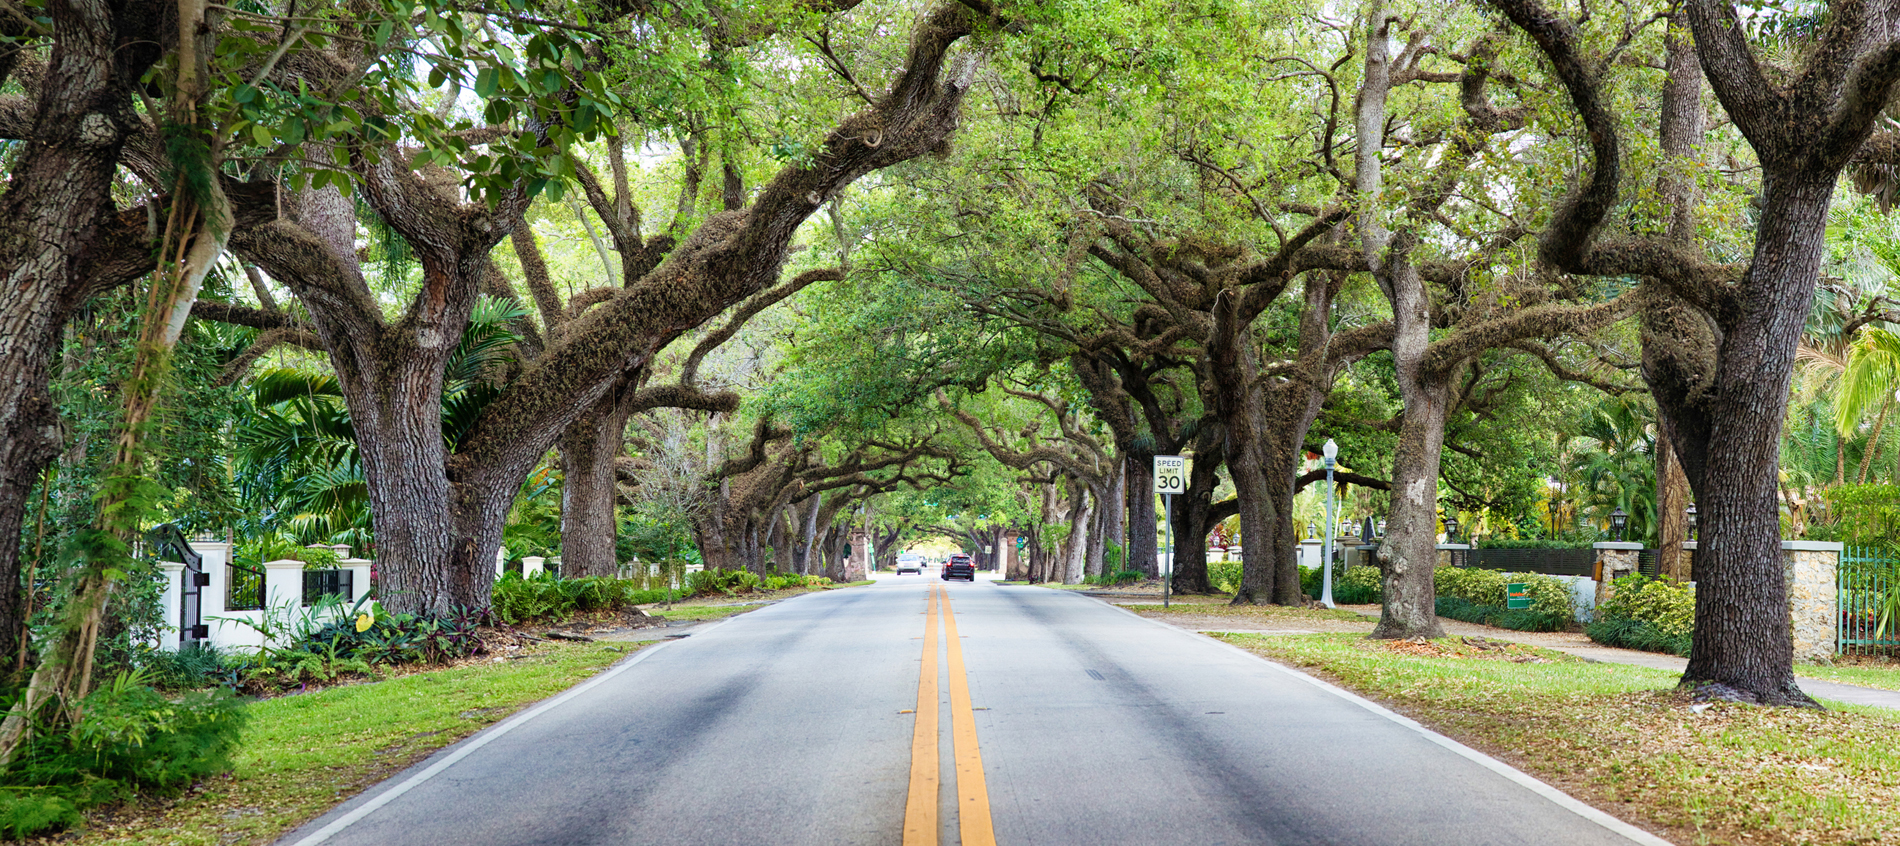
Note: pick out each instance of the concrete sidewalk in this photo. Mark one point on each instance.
(1852, 694)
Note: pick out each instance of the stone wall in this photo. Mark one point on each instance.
(1615, 559)
(1811, 569)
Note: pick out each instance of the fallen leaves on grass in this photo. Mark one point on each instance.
(1624, 739)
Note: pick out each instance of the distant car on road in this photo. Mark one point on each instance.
(959, 567)
(910, 563)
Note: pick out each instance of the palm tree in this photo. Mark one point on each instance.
(1869, 378)
(1612, 457)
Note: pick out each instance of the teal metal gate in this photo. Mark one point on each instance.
(1869, 601)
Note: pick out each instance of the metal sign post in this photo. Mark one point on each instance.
(1170, 479)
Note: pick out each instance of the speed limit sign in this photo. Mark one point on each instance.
(1170, 474)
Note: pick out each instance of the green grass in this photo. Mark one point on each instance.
(302, 755)
(1621, 738)
(701, 612)
(1222, 609)
(1883, 676)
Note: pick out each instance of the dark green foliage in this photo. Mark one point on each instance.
(1637, 634)
(1523, 620)
(1533, 543)
(1224, 576)
(27, 812)
(128, 738)
(1362, 589)
(1654, 615)
(547, 598)
(1119, 577)
(789, 581)
(397, 638)
(193, 666)
(728, 582)
(1861, 515)
(1355, 586)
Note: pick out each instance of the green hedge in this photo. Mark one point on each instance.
(1533, 543)
(1550, 597)
(1522, 620)
(1625, 633)
(1354, 586)
(1654, 615)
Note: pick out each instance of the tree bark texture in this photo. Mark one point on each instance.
(53, 216)
(588, 494)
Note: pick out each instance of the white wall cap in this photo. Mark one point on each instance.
(284, 564)
(1616, 545)
(1812, 546)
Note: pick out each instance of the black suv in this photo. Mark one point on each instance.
(959, 567)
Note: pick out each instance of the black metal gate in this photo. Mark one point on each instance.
(191, 624)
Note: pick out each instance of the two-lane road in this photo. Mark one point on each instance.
(799, 724)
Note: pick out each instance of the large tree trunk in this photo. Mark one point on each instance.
(805, 539)
(1098, 530)
(1192, 512)
(1115, 517)
(1672, 503)
(1408, 555)
(588, 449)
(1729, 440)
(58, 193)
(1144, 527)
(1081, 517)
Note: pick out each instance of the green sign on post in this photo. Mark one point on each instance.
(1517, 595)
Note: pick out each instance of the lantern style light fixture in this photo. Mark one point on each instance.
(1619, 520)
(1381, 528)
(1451, 528)
(1690, 513)
(1311, 530)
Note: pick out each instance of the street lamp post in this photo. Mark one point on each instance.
(1331, 456)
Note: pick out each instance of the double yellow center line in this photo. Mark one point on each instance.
(921, 826)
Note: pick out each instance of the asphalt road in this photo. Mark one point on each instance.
(796, 724)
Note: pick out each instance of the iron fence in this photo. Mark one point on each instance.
(318, 584)
(1869, 602)
(245, 588)
(1554, 562)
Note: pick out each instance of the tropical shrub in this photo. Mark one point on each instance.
(1358, 586)
(545, 597)
(195, 665)
(788, 581)
(128, 738)
(1224, 576)
(728, 582)
(1654, 615)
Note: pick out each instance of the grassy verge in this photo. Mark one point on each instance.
(1885, 676)
(1622, 739)
(304, 754)
(1222, 609)
(716, 607)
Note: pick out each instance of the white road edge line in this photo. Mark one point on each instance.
(483, 738)
(1510, 773)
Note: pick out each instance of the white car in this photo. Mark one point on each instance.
(910, 563)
